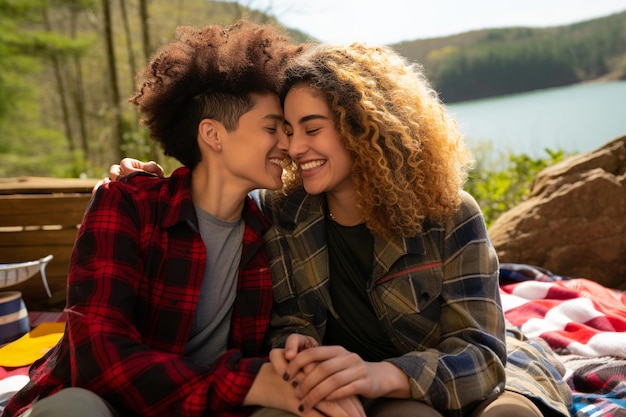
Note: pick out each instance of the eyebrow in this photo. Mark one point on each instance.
(278, 117)
(310, 117)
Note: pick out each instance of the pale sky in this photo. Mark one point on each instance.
(383, 22)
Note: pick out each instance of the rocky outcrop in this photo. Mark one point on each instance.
(573, 223)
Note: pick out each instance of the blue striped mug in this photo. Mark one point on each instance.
(14, 321)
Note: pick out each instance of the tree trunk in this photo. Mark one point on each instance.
(79, 105)
(61, 90)
(78, 93)
(152, 148)
(116, 113)
(129, 43)
(132, 66)
(145, 29)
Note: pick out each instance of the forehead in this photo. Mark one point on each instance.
(266, 102)
(303, 89)
(303, 99)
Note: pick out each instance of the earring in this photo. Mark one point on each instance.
(219, 147)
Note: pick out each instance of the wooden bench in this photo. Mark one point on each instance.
(39, 217)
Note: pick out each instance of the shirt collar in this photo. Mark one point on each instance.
(180, 207)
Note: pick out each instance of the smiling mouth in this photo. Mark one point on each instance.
(277, 161)
(312, 164)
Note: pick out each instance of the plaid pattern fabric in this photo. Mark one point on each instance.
(582, 322)
(436, 295)
(133, 286)
(533, 372)
(598, 384)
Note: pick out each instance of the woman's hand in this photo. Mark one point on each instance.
(271, 390)
(128, 166)
(348, 406)
(294, 344)
(329, 373)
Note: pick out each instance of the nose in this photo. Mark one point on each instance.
(283, 141)
(297, 145)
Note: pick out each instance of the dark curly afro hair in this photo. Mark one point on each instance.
(208, 73)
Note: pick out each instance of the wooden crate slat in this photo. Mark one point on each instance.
(46, 185)
(26, 210)
(39, 216)
(24, 240)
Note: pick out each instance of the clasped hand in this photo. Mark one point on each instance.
(326, 373)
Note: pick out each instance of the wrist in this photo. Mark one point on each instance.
(394, 383)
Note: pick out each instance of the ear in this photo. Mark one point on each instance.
(208, 134)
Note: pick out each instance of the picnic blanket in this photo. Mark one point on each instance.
(17, 356)
(583, 322)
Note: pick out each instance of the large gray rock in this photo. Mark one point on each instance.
(573, 223)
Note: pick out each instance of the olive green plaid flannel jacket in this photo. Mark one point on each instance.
(436, 295)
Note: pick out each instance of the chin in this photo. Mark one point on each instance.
(273, 185)
(312, 189)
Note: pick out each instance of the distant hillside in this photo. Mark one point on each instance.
(493, 62)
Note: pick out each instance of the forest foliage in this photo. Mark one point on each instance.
(492, 62)
(67, 69)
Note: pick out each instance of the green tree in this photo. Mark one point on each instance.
(29, 44)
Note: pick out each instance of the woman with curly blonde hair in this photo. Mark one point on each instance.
(385, 282)
(408, 157)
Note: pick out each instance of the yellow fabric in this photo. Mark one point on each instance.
(32, 346)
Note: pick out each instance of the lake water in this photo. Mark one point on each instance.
(578, 118)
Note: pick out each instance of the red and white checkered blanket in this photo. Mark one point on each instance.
(575, 316)
(584, 323)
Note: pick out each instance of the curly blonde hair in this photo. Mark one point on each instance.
(409, 159)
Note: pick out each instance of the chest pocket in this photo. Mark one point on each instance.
(410, 299)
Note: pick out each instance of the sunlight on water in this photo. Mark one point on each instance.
(577, 118)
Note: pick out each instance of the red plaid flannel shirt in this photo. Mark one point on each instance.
(133, 286)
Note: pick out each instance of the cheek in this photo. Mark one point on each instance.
(258, 142)
(343, 159)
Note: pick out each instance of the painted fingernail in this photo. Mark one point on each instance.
(294, 384)
(300, 408)
(286, 376)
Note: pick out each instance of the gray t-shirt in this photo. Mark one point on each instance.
(224, 242)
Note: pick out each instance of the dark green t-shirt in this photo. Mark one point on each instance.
(351, 251)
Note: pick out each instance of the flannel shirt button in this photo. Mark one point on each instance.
(174, 302)
(425, 296)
